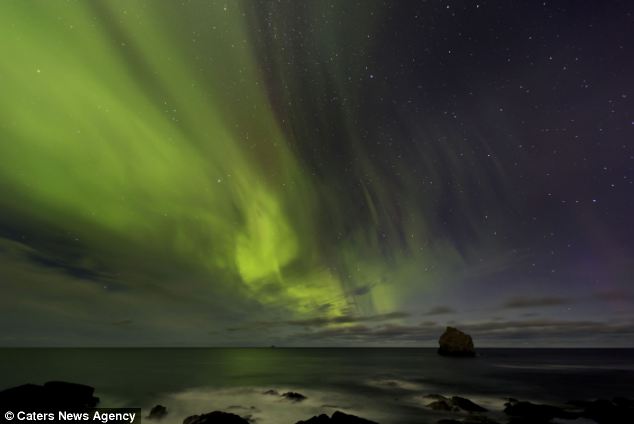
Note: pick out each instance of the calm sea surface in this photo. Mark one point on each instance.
(386, 385)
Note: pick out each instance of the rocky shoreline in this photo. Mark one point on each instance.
(448, 409)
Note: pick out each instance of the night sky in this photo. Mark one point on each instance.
(316, 173)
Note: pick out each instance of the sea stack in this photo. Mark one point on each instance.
(454, 342)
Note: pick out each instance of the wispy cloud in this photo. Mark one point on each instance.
(534, 302)
(440, 310)
(123, 322)
(553, 331)
(323, 321)
(347, 319)
(614, 295)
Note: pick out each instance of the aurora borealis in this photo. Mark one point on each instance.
(326, 173)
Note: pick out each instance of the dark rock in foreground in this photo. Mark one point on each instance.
(623, 402)
(603, 411)
(294, 396)
(337, 418)
(435, 396)
(157, 412)
(318, 419)
(456, 403)
(521, 412)
(454, 342)
(215, 417)
(473, 419)
(442, 405)
(466, 405)
(54, 394)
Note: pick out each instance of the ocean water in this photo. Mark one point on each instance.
(386, 385)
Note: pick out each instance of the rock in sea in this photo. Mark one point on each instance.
(527, 412)
(215, 417)
(454, 342)
(456, 403)
(294, 396)
(157, 412)
(441, 405)
(467, 405)
(54, 394)
(336, 418)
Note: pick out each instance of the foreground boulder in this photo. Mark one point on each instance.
(472, 419)
(455, 404)
(467, 405)
(454, 342)
(54, 394)
(442, 405)
(157, 412)
(615, 411)
(527, 412)
(294, 396)
(602, 411)
(215, 417)
(336, 418)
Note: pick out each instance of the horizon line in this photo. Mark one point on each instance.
(273, 347)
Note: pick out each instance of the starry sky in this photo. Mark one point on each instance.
(316, 173)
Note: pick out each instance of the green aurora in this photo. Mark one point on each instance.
(146, 145)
